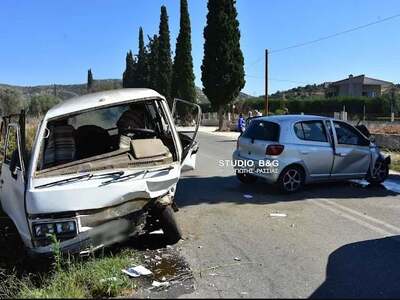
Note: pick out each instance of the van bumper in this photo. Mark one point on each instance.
(103, 235)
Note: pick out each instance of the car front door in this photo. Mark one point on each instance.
(12, 181)
(187, 118)
(352, 153)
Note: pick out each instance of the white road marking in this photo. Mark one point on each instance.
(341, 213)
(369, 218)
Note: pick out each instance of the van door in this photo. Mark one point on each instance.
(187, 118)
(352, 152)
(12, 181)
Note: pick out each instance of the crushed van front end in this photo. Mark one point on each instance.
(95, 213)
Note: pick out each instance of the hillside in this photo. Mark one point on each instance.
(66, 91)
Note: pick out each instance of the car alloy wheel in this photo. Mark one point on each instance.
(380, 172)
(292, 180)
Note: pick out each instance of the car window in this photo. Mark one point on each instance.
(311, 131)
(347, 135)
(262, 130)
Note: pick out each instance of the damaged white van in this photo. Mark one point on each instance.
(103, 167)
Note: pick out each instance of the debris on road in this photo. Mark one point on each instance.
(137, 271)
(248, 196)
(158, 284)
(280, 215)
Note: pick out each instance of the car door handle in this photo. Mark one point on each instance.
(341, 154)
(305, 152)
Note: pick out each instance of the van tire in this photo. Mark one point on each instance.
(291, 179)
(246, 178)
(170, 227)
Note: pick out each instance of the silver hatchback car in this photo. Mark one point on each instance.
(293, 150)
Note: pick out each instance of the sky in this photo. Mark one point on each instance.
(46, 42)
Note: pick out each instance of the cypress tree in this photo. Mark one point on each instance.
(223, 62)
(164, 56)
(183, 86)
(152, 58)
(89, 85)
(142, 70)
(128, 80)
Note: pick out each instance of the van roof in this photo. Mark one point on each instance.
(100, 99)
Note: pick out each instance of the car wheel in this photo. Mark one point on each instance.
(380, 172)
(246, 178)
(170, 227)
(291, 179)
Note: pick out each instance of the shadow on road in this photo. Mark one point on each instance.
(213, 190)
(368, 269)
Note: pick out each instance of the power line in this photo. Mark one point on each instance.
(335, 34)
(279, 79)
(326, 37)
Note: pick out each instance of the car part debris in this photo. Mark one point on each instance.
(280, 215)
(137, 271)
(158, 284)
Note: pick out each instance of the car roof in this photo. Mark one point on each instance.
(291, 118)
(105, 98)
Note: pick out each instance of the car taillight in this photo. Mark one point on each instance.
(274, 150)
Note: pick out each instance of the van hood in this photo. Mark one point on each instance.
(94, 193)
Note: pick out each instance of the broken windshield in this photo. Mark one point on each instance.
(106, 132)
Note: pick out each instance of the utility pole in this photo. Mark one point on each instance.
(266, 83)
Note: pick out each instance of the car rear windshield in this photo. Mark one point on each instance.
(262, 130)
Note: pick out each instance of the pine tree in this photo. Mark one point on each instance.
(152, 58)
(183, 86)
(89, 85)
(128, 80)
(164, 56)
(223, 62)
(142, 70)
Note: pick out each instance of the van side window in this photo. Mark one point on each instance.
(311, 131)
(347, 135)
(262, 130)
(11, 144)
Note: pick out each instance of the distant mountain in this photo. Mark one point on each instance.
(66, 91)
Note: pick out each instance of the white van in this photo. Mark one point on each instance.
(103, 167)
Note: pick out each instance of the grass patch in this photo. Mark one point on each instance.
(76, 278)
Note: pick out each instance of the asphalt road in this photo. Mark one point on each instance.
(337, 240)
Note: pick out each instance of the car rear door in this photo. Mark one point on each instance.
(187, 118)
(352, 153)
(315, 149)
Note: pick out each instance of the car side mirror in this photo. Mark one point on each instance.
(372, 139)
(14, 164)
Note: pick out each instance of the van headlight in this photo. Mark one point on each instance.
(41, 230)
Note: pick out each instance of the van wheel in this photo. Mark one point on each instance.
(246, 178)
(380, 173)
(291, 180)
(170, 227)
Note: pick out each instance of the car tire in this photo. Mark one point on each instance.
(170, 227)
(380, 173)
(246, 178)
(291, 179)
